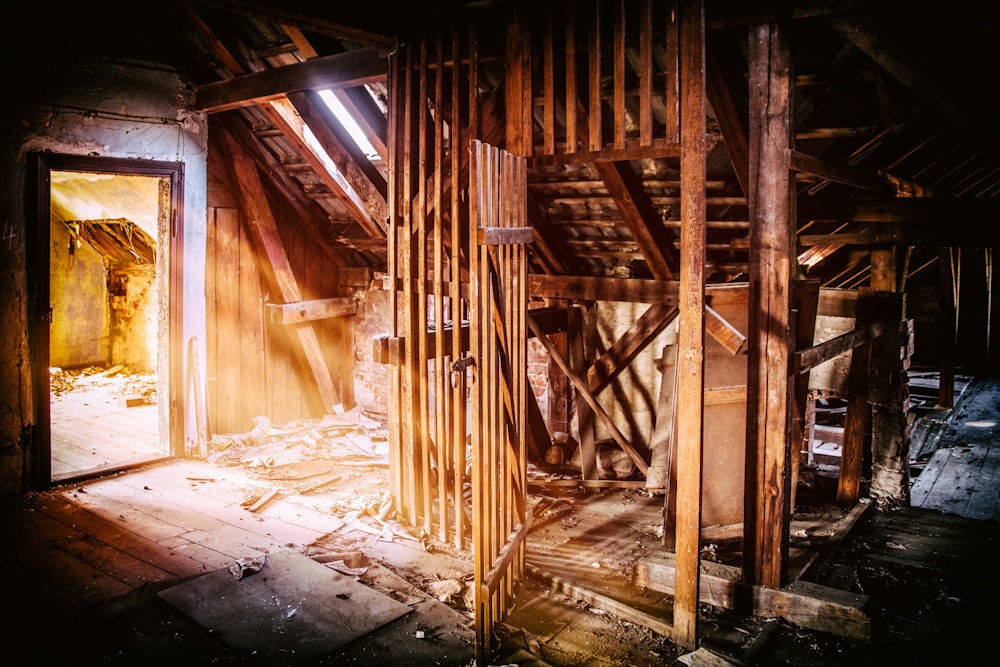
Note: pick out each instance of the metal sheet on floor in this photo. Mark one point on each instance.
(292, 609)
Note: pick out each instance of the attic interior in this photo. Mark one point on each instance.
(653, 310)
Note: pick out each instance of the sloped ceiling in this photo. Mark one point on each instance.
(892, 102)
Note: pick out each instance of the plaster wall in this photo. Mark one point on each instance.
(91, 107)
(78, 335)
(630, 400)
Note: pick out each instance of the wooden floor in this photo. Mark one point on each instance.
(963, 474)
(83, 561)
(104, 423)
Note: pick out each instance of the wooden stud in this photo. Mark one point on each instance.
(619, 74)
(691, 332)
(594, 80)
(571, 94)
(548, 88)
(646, 74)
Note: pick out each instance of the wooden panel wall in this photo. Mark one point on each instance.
(251, 367)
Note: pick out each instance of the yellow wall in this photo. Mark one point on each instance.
(78, 295)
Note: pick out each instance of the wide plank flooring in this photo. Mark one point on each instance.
(962, 476)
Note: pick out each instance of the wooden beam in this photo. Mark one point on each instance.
(805, 360)
(547, 243)
(341, 70)
(691, 329)
(357, 101)
(772, 222)
(589, 288)
(308, 311)
(857, 421)
(581, 386)
(729, 105)
(861, 31)
(801, 603)
(258, 216)
(939, 234)
(304, 22)
(291, 124)
(625, 188)
(806, 300)
(368, 185)
(390, 350)
(807, 164)
(639, 215)
(724, 333)
(631, 150)
(642, 332)
(930, 210)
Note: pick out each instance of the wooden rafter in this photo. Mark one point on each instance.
(357, 101)
(362, 189)
(261, 220)
(283, 182)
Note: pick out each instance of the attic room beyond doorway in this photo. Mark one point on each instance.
(108, 324)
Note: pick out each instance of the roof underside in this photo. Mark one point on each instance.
(889, 103)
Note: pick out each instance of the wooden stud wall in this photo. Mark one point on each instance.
(250, 364)
(631, 43)
(433, 113)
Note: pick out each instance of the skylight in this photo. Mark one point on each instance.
(345, 118)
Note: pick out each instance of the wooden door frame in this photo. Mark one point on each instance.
(38, 201)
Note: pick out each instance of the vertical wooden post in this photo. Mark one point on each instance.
(771, 231)
(888, 396)
(619, 74)
(396, 100)
(579, 330)
(571, 95)
(806, 304)
(691, 336)
(948, 301)
(858, 418)
(594, 75)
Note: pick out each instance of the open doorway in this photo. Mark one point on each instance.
(102, 280)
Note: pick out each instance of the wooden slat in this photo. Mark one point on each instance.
(505, 235)
(548, 88)
(455, 306)
(619, 74)
(595, 141)
(515, 140)
(442, 434)
(571, 94)
(646, 74)
(422, 439)
(672, 75)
